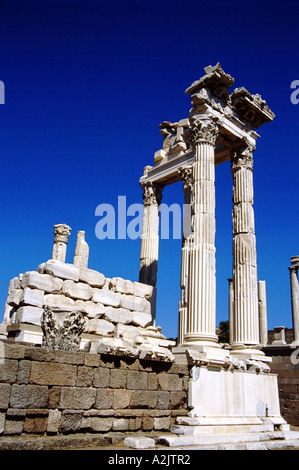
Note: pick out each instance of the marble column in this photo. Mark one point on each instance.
(81, 251)
(246, 316)
(187, 180)
(201, 303)
(295, 302)
(149, 250)
(262, 298)
(231, 309)
(61, 235)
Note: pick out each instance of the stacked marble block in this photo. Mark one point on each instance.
(117, 312)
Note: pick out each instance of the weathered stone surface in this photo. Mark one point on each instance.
(118, 315)
(136, 380)
(33, 297)
(8, 370)
(44, 282)
(99, 326)
(76, 290)
(139, 442)
(29, 396)
(101, 377)
(91, 309)
(29, 314)
(59, 302)
(53, 374)
(97, 423)
(106, 297)
(141, 319)
(121, 399)
(14, 297)
(143, 399)
(70, 421)
(53, 421)
(135, 303)
(59, 269)
(143, 290)
(117, 284)
(4, 395)
(104, 399)
(92, 277)
(75, 398)
(36, 421)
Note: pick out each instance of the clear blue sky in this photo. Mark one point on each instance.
(87, 84)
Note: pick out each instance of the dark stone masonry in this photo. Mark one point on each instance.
(52, 392)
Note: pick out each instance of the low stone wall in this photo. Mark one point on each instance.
(58, 392)
(288, 380)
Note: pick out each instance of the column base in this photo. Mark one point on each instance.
(247, 351)
(198, 340)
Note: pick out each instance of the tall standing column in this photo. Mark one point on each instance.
(201, 308)
(246, 315)
(186, 175)
(149, 250)
(295, 302)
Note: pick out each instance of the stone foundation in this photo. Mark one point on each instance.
(46, 392)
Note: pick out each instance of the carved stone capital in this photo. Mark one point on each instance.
(242, 158)
(61, 233)
(203, 130)
(187, 177)
(152, 193)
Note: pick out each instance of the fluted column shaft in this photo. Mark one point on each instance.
(245, 286)
(201, 303)
(187, 179)
(295, 301)
(149, 249)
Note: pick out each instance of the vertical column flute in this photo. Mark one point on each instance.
(245, 286)
(201, 308)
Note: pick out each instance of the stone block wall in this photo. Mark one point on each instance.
(288, 381)
(49, 392)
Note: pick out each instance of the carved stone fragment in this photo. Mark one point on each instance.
(64, 337)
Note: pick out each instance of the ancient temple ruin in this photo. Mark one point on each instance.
(232, 396)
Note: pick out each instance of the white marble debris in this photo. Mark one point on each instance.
(106, 297)
(59, 302)
(135, 303)
(139, 442)
(92, 277)
(59, 269)
(32, 297)
(29, 314)
(45, 282)
(76, 290)
(81, 251)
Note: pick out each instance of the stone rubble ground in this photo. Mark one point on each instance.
(119, 442)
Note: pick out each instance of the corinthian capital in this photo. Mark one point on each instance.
(242, 158)
(203, 129)
(152, 193)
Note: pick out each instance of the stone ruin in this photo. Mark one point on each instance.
(69, 306)
(232, 394)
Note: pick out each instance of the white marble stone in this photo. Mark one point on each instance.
(106, 297)
(92, 277)
(100, 326)
(77, 290)
(29, 314)
(14, 297)
(139, 442)
(45, 282)
(59, 269)
(141, 319)
(59, 302)
(142, 290)
(118, 315)
(135, 303)
(33, 297)
(124, 286)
